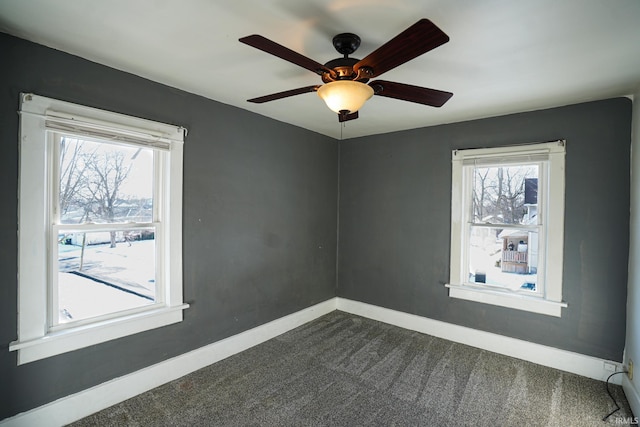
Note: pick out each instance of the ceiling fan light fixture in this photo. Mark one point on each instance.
(345, 95)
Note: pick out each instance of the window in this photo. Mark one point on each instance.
(100, 227)
(507, 221)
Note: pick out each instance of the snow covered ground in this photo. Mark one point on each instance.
(130, 270)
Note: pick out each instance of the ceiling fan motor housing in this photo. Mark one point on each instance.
(346, 44)
(343, 68)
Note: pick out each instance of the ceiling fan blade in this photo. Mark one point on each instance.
(419, 38)
(404, 92)
(284, 94)
(346, 116)
(285, 53)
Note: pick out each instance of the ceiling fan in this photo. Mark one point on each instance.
(346, 80)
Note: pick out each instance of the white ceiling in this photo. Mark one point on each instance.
(504, 56)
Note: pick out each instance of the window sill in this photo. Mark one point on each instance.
(507, 299)
(70, 339)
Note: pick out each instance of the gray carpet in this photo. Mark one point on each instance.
(345, 370)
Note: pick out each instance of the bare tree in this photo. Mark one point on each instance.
(72, 173)
(73, 179)
(107, 173)
(498, 192)
(90, 181)
(479, 192)
(513, 197)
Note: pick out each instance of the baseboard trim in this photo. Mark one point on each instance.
(580, 364)
(76, 406)
(633, 397)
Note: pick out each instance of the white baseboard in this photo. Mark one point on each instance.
(76, 406)
(633, 397)
(567, 361)
(87, 402)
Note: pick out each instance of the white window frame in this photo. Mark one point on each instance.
(551, 155)
(37, 338)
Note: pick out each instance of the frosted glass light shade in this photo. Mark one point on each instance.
(345, 95)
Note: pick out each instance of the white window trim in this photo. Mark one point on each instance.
(38, 115)
(550, 303)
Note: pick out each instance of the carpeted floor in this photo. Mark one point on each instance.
(345, 370)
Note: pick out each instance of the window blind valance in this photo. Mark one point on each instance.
(101, 124)
(517, 154)
(102, 132)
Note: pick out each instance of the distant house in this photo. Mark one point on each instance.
(515, 251)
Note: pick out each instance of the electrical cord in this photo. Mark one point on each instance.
(611, 396)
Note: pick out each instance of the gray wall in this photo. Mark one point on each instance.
(260, 203)
(395, 193)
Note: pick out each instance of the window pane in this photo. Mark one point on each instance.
(104, 183)
(105, 272)
(505, 194)
(504, 257)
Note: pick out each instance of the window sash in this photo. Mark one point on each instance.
(160, 159)
(539, 292)
(468, 173)
(160, 285)
(103, 226)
